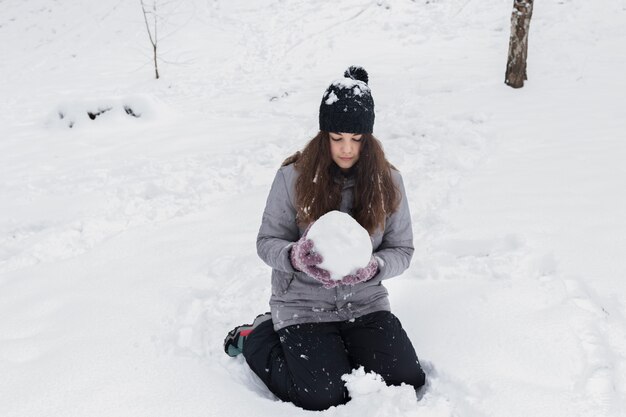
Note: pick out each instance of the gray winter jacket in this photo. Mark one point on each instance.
(296, 297)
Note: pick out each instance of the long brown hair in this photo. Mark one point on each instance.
(318, 190)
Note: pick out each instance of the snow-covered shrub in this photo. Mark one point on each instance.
(104, 111)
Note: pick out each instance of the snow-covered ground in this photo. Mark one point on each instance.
(127, 244)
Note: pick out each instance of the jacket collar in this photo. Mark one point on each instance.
(346, 182)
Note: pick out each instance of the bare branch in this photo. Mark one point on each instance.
(155, 21)
(153, 40)
(145, 17)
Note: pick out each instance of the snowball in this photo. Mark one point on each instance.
(344, 244)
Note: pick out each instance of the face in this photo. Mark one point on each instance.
(345, 149)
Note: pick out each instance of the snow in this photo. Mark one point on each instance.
(332, 98)
(345, 246)
(104, 111)
(127, 245)
(348, 83)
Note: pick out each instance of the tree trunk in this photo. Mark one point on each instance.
(518, 44)
(156, 68)
(153, 40)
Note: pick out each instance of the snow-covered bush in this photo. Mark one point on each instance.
(76, 113)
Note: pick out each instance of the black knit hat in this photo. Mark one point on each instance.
(347, 105)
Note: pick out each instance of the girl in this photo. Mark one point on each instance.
(320, 329)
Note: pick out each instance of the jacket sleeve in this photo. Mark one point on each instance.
(278, 227)
(396, 249)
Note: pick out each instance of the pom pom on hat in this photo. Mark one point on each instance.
(357, 73)
(347, 104)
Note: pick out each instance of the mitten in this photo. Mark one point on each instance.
(305, 259)
(361, 274)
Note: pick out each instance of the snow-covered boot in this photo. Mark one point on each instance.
(233, 344)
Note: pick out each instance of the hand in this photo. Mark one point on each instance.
(361, 274)
(302, 254)
(305, 259)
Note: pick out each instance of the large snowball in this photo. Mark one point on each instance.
(343, 243)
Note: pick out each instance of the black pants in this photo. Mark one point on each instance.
(304, 363)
